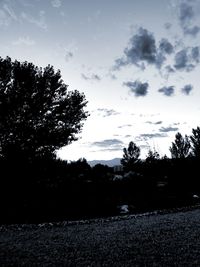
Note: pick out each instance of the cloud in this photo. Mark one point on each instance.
(182, 61)
(68, 56)
(143, 137)
(165, 49)
(186, 18)
(128, 136)
(39, 22)
(186, 13)
(155, 123)
(167, 90)
(7, 15)
(142, 47)
(167, 25)
(56, 3)
(142, 50)
(10, 12)
(107, 112)
(92, 77)
(187, 89)
(187, 58)
(193, 31)
(4, 18)
(195, 54)
(168, 129)
(109, 143)
(26, 40)
(124, 126)
(169, 69)
(165, 46)
(137, 87)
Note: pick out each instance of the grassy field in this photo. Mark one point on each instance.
(142, 240)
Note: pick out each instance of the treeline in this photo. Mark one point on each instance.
(39, 115)
(50, 189)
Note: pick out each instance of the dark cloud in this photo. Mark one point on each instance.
(167, 90)
(182, 61)
(186, 18)
(169, 69)
(108, 143)
(166, 47)
(137, 87)
(168, 129)
(92, 77)
(187, 58)
(160, 59)
(68, 56)
(187, 89)
(142, 48)
(107, 112)
(155, 123)
(195, 54)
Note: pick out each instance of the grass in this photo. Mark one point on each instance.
(152, 239)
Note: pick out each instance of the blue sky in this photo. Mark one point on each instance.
(138, 63)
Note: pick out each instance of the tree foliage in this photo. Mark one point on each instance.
(131, 155)
(195, 139)
(152, 156)
(180, 147)
(38, 114)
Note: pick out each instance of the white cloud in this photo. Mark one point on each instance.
(41, 22)
(4, 19)
(10, 12)
(26, 40)
(56, 3)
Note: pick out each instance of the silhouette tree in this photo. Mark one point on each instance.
(195, 139)
(152, 156)
(38, 115)
(130, 156)
(180, 147)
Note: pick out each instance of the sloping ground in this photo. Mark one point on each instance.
(152, 240)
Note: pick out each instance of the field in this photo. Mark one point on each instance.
(171, 239)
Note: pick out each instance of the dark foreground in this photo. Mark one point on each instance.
(152, 240)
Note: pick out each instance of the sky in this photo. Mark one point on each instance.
(136, 61)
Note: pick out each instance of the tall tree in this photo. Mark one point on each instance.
(38, 115)
(180, 147)
(195, 139)
(130, 156)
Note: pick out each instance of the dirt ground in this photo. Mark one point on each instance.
(144, 240)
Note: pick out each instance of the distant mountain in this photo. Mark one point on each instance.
(110, 163)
